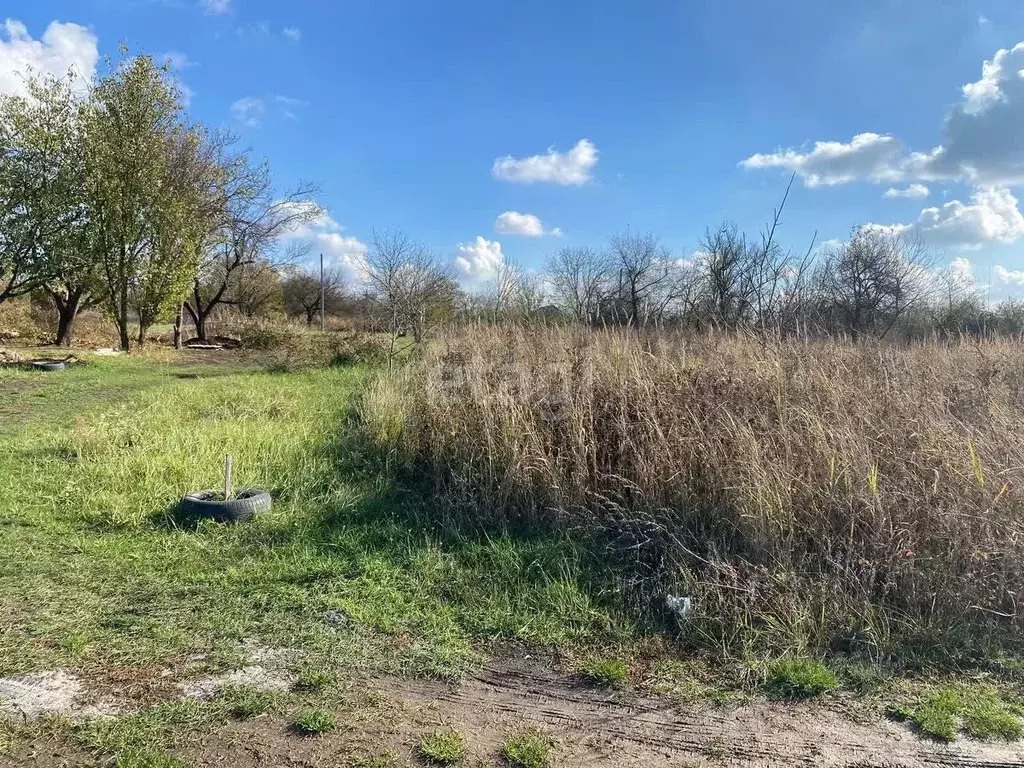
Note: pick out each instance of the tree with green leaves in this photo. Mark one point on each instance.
(142, 161)
(43, 224)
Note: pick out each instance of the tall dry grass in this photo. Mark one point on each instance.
(807, 495)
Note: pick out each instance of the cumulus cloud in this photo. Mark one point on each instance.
(525, 224)
(1008, 276)
(572, 168)
(981, 141)
(216, 7)
(868, 156)
(322, 234)
(962, 268)
(992, 216)
(914, 191)
(480, 260)
(63, 48)
(292, 33)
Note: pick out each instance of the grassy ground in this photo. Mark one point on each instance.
(97, 574)
(95, 571)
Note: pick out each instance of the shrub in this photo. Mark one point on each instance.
(313, 722)
(529, 749)
(443, 747)
(807, 495)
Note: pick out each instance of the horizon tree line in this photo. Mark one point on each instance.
(111, 198)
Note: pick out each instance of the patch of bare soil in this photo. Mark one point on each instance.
(591, 728)
(269, 669)
(387, 716)
(56, 692)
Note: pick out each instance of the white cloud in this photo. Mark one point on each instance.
(292, 33)
(525, 224)
(570, 168)
(322, 234)
(981, 142)
(868, 156)
(1010, 277)
(962, 268)
(216, 7)
(480, 260)
(63, 48)
(175, 60)
(992, 216)
(249, 111)
(252, 110)
(914, 191)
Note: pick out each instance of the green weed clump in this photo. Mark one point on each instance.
(245, 701)
(313, 722)
(801, 678)
(314, 679)
(979, 712)
(528, 749)
(607, 672)
(443, 747)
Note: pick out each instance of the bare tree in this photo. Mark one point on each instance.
(579, 279)
(302, 293)
(725, 264)
(404, 279)
(257, 290)
(249, 223)
(643, 268)
(873, 280)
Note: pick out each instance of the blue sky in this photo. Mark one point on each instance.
(439, 117)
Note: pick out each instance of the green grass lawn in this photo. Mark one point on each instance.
(96, 574)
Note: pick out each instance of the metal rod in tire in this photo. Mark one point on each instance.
(227, 476)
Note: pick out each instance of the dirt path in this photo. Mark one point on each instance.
(384, 716)
(592, 728)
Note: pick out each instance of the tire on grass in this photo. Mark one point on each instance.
(245, 505)
(49, 365)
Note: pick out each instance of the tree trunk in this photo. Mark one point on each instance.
(121, 316)
(142, 335)
(67, 312)
(177, 328)
(199, 313)
(122, 331)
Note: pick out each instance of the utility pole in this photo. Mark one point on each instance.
(323, 297)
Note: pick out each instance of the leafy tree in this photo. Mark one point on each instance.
(177, 226)
(140, 161)
(43, 226)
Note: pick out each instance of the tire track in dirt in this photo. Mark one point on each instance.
(597, 729)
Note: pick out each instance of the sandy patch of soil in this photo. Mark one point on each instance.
(591, 728)
(56, 692)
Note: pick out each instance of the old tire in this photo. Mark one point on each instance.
(49, 365)
(205, 505)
